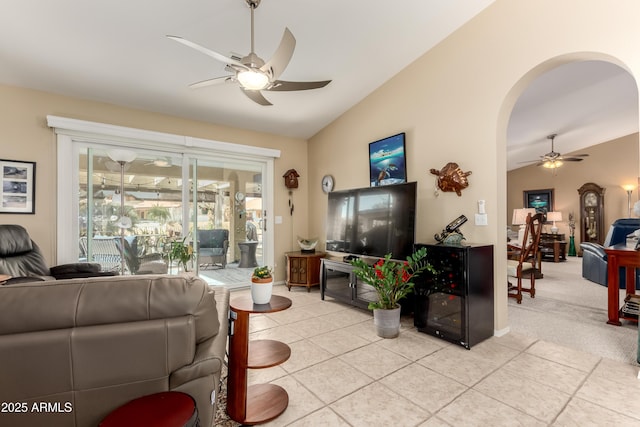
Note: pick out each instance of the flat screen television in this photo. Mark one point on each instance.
(373, 221)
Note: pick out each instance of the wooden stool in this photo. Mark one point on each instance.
(166, 409)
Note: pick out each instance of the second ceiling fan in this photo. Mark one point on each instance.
(554, 159)
(251, 72)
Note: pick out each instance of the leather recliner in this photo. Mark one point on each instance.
(81, 348)
(21, 258)
(594, 258)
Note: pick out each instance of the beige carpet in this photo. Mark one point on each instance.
(572, 311)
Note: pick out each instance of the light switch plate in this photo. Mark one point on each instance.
(481, 219)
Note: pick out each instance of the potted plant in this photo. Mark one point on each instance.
(392, 281)
(182, 252)
(261, 285)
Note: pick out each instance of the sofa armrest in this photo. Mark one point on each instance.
(594, 248)
(205, 362)
(210, 353)
(26, 279)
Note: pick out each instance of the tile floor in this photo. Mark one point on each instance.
(341, 374)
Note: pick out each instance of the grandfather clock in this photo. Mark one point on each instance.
(591, 213)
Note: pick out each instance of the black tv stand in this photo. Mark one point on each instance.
(337, 280)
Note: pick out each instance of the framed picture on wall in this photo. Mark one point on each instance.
(540, 200)
(387, 161)
(18, 187)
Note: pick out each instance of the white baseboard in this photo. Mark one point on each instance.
(501, 332)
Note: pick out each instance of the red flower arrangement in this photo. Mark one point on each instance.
(391, 279)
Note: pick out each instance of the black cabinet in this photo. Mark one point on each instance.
(456, 303)
(338, 281)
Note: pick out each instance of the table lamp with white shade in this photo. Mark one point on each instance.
(553, 217)
(520, 218)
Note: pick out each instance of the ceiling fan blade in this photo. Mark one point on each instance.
(256, 96)
(282, 56)
(213, 81)
(571, 159)
(215, 55)
(283, 86)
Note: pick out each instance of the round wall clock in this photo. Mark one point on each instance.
(239, 197)
(327, 183)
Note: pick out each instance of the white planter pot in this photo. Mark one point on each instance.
(387, 322)
(261, 291)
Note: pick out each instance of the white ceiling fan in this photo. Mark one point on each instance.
(161, 162)
(553, 159)
(251, 72)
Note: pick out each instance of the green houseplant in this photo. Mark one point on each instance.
(261, 285)
(392, 281)
(182, 252)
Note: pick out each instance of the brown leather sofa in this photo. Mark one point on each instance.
(72, 351)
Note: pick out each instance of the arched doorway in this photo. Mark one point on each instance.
(592, 92)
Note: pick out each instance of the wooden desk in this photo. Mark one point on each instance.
(620, 256)
(257, 403)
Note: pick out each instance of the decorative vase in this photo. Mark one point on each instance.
(261, 290)
(572, 246)
(387, 322)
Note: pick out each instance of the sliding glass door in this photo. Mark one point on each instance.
(134, 213)
(226, 218)
(129, 211)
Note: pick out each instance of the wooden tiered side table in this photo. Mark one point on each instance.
(257, 403)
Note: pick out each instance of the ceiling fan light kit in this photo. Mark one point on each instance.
(552, 164)
(252, 73)
(253, 80)
(553, 159)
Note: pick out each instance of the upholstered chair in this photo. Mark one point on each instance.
(21, 258)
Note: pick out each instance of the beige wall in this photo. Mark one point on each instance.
(25, 136)
(610, 165)
(454, 103)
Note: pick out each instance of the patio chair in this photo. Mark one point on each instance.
(212, 248)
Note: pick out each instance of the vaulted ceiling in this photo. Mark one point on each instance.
(117, 52)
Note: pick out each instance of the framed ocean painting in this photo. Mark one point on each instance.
(387, 161)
